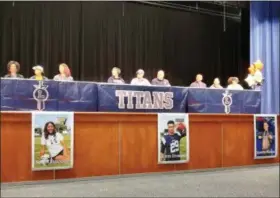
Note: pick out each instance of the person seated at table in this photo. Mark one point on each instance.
(115, 78)
(258, 66)
(39, 73)
(64, 73)
(160, 80)
(13, 69)
(198, 82)
(216, 84)
(140, 80)
(233, 84)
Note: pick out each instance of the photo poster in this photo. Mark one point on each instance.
(173, 138)
(265, 136)
(52, 140)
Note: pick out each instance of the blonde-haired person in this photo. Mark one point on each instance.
(234, 84)
(115, 78)
(64, 73)
(216, 84)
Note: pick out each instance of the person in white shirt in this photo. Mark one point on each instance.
(233, 84)
(216, 84)
(54, 142)
(140, 80)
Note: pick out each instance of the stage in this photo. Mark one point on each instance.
(126, 143)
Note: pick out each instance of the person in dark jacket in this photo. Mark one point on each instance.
(198, 82)
(13, 69)
(160, 80)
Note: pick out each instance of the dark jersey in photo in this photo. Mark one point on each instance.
(170, 146)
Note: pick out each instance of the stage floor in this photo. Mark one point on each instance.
(240, 182)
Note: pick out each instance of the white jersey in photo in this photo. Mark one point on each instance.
(53, 143)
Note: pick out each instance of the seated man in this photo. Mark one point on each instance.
(115, 78)
(160, 80)
(140, 80)
(198, 82)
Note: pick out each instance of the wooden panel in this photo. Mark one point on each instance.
(96, 149)
(238, 144)
(205, 146)
(139, 148)
(16, 149)
(124, 143)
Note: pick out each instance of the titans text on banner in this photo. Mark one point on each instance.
(29, 95)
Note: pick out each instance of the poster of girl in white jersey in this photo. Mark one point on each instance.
(52, 140)
(173, 138)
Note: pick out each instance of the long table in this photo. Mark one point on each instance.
(28, 95)
(126, 143)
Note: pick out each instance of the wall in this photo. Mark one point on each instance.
(125, 143)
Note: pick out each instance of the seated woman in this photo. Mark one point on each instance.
(233, 84)
(115, 78)
(13, 69)
(216, 84)
(53, 142)
(64, 73)
(38, 71)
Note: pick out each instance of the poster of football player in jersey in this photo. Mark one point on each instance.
(173, 138)
(52, 140)
(265, 136)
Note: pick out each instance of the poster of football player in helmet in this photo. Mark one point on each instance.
(265, 136)
(52, 140)
(173, 138)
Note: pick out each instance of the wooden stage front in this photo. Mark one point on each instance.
(126, 143)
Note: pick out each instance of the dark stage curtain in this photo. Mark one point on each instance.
(41, 33)
(92, 37)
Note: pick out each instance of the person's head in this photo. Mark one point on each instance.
(140, 73)
(265, 126)
(234, 80)
(64, 69)
(38, 70)
(216, 81)
(49, 129)
(199, 77)
(116, 72)
(251, 70)
(258, 65)
(171, 127)
(160, 75)
(230, 80)
(13, 67)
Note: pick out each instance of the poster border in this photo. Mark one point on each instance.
(187, 140)
(36, 113)
(276, 136)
